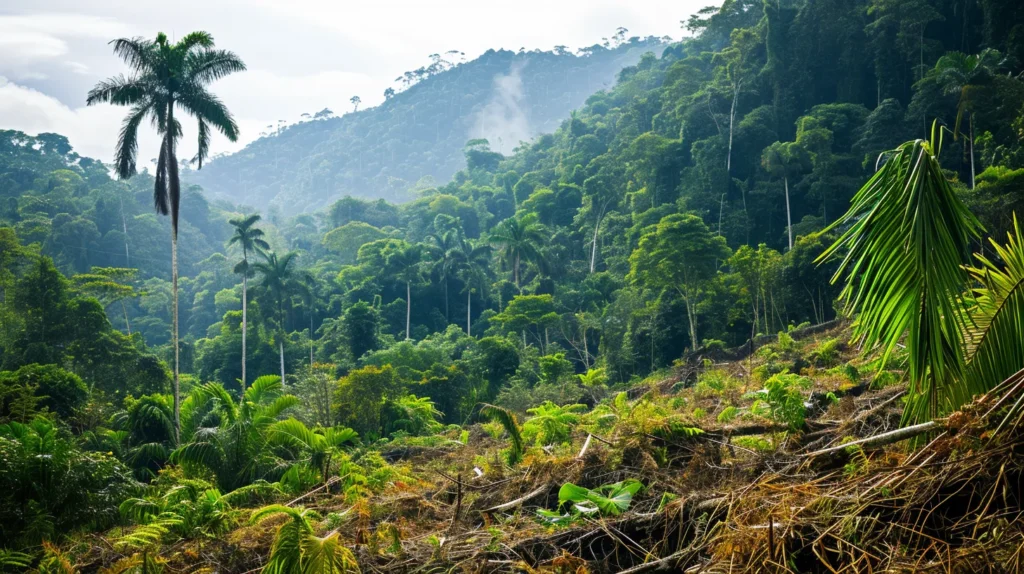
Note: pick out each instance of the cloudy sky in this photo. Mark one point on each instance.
(303, 55)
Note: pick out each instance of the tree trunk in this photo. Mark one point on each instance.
(586, 352)
(124, 226)
(515, 273)
(281, 343)
(172, 173)
(732, 120)
(789, 220)
(469, 308)
(245, 317)
(408, 307)
(972, 150)
(311, 338)
(174, 336)
(693, 323)
(127, 324)
(593, 247)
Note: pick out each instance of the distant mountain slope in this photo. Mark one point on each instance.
(503, 96)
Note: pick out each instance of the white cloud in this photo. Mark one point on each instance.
(304, 55)
(28, 40)
(92, 131)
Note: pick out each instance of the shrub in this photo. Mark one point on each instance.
(61, 391)
(783, 396)
(827, 352)
(786, 342)
(728, 414)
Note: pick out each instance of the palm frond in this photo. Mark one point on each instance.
(205, 66)
(995, 344)
(204, 144)
(197, 39)
(160, 188)
(263, 389)
(208, 108)
(149, 534)
(908, 235)
(276, 408)
(139, 509)
(201, 453)
(14, 559)
(507, 419)
(292, 432)
(128, 140)
(327, 555)
(120, 91)
(137, 52)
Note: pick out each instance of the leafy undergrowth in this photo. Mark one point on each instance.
(712, 469)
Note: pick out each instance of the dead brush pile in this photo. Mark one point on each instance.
(952, 505)
(852, 496)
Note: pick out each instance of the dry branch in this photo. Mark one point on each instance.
(514, 503)
(881, 439)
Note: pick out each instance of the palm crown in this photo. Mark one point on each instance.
(519, 239)
(249, 238)
(165, 76)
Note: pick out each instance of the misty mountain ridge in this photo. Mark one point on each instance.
(415, 138)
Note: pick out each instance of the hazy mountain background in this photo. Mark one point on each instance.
(382, 152)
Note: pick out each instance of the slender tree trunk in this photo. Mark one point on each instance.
(172, 172)
(245, 317)
(124, 226)
(408, 307)
(515, 273)
(789, 220)
(732, 120)
(127, 324)
(311, 338)
(586, 352)
(972, 150)
(593, 247)
(281, 343)
(469, 304)
(692, 321)
(174, 336)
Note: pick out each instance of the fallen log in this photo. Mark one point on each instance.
(881, 439)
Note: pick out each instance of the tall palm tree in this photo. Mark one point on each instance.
(472, 261)
(440, 248)
(964, 75)
(280, 283)
(519, 239)
(249, 238)
(165, 76)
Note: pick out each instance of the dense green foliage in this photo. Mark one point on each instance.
(681, 211)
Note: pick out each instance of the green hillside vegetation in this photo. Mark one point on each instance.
(418, 132)
(757, 306)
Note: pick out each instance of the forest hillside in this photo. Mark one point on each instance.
(420, 129)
